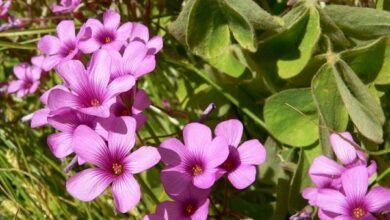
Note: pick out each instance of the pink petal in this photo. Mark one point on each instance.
(310, 193)
(174, 180)
(66, 31)
(168, 210)
(88, 184)
(332, 201)
(102, 111)
(355, 183)
(325, 215)
(371, 168)
(38, 61)
(344, 151)
(121, 139)
(252, 152)
(45, 96)
(147, 65)
(49, 45)
(133, 56)
(197, 137)
(99, 68)
(126, 193)
(90, 146)
(20, 70)
(94, 24)
(39, 117)
(323, 170)
(141, 120)
(155, 45)
(34, 87)
(231, 130)
(59, 99)
(15, 85)
(89, 46)
(116, 64)
(124, 31)
(243, 176)
(141, 101)
(202, 211)
(368, 216)
(51, 62)
(205, 180)
(65, 122)
(114, 45)
(216, 152)
(139, 32)
(60, 144)
(111, 19)
(34, 73)
(377, 199)
(119, 85)
(171, 151)
(142, 159)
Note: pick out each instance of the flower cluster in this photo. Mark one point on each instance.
(195, 165)
(98, 108)
(341, 189)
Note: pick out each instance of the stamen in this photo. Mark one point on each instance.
(190, 209)
(28, 85)
(117, 169)
(358, 213)
(107, 40)
(95, 102)
(125, 112)
(196, 170)
(228, 165)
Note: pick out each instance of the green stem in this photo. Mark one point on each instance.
(148, 190)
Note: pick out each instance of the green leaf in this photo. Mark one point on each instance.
(241, 28)
(329, 103)
(291, 117)
(26, 32)
(359, 22)
(356, 97)
(371, 62)
(207, 31)
(330, 29)
(257, 16)
(293, 62)
(17, 46)
(178, 28)
(228, 64)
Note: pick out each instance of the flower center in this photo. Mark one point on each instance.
(117, 168)
(196, 170)
(125, 112)
(358, 213)
(190, 209)
(94, 102)
(107, 39)
(28, 85)
(228, 165)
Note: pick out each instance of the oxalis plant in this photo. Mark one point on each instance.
(195, 109)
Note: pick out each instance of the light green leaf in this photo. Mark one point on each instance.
(178, 28)
(360, 22)
(291, 117)
(228, 64)
(330, 29)
(207, 31)
(293, 62)
(356, 96)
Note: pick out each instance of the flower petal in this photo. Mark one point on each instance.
(89, 46)
(111, 19)
(155, 45)
(67, 121)
(142, 159)
(102, 111)
(323, 170)
(39, 117)
(310, 193)
(60, 144)
(38, 61)
(139, 33)
(66, 31)
(121, 138)
(216, 152)
(59, 99)
(124, 31)
(174, 180)
(172, 151)
(355, 183)
(99, 68)
(133, 56)
(15, 85)
(49, 45)
(20, 70)
(88, 184)
(205, 180)
(377, 199)
(33, 73)
(119, 85)
(332, 201)
(88, 145)
(51, 62)
(252, 152)
(243, 176)
(344, 151)
(231, 130)
(126, 192)
(141, 101)
(147, 65)
(197, 137)
(202, 211)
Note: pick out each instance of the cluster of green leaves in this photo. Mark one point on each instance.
(291, 74)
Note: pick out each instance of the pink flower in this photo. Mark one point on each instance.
(27, 82)
(140, 32)
(38, 61)
(62, 48)
(132, 104)
(91, 92)
(353, 202)
(4, 7)
(135, 61)
(108, 35)
(13, 22)
(196, 162)
(240, 166)
(192, 204)
(65, 6)
(113, 164)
